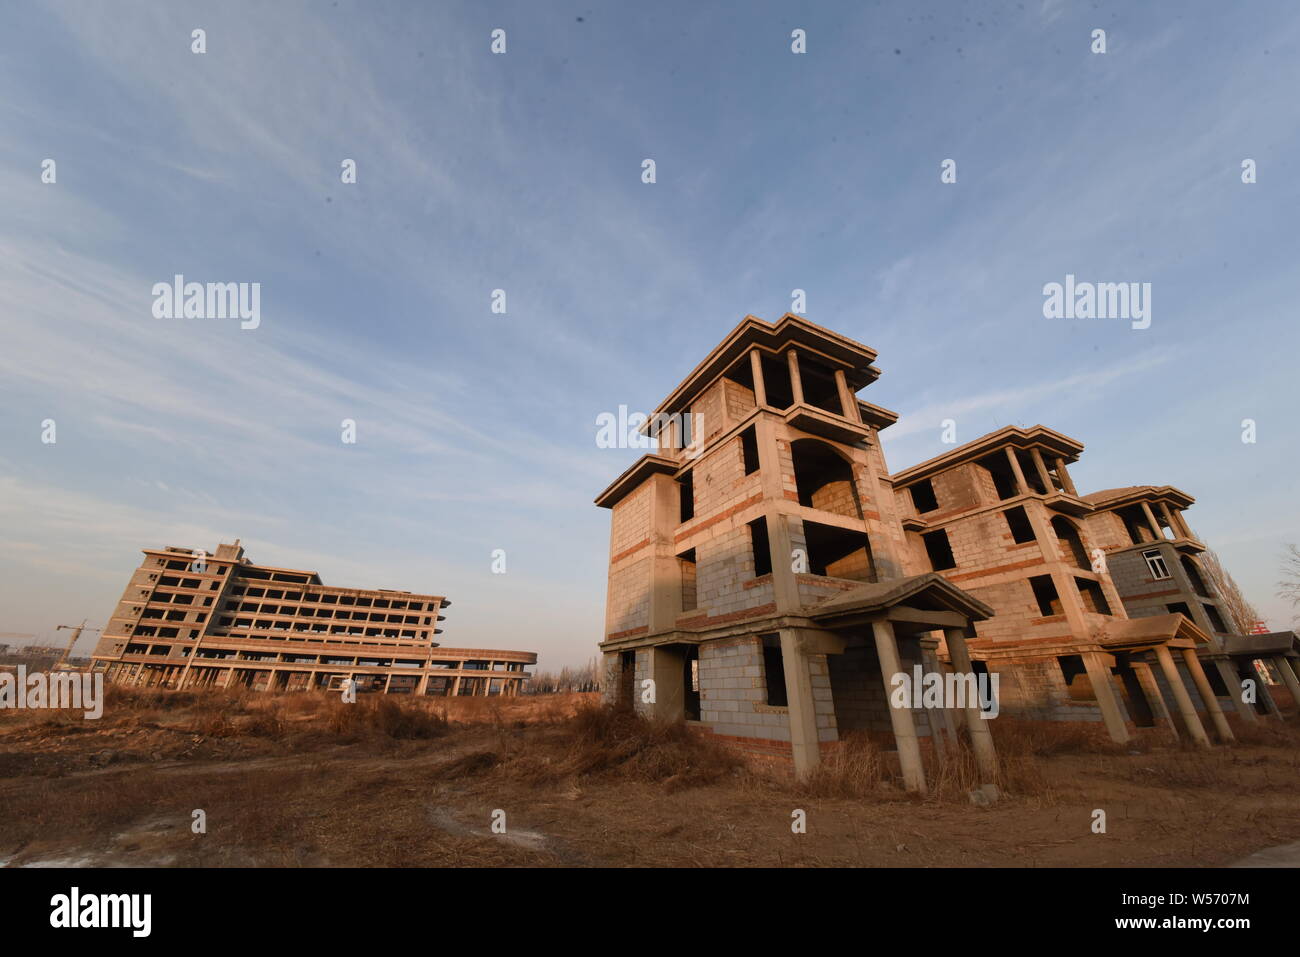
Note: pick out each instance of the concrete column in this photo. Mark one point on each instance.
(1041, 466)
(1151, 688)
(1151, 517)
(799, 699)
(1232, 680)
(756, 368)
(909, 747)
(796, 382)
(848, 401)
(1169, 520)
(1107, 700)
(270, 681)
(1202, 683)
(1065, 477)
(981, 739)
(784, 585)
(667, 668)
(1182, 524)
(1288, 678)
(1021, 485)
(1185, 707)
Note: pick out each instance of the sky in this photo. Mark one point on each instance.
(522, 171)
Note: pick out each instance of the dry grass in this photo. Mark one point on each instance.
(294, 779)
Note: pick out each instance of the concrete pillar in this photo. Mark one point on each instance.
(1151, 517)
(1288, 678)
(756, 369)
(1232, 680)
(796, 382)
(668, 669)
(1169, 519)
(270, 681)
(981, 739)
(1041, 466)
(848, 401)
(1021, 485)
(1065, 477)
(804, 745)
(784, 585)
(1202, 683)
(1107, 700)
(1190, 720)
(909, 747)
(1151, 688)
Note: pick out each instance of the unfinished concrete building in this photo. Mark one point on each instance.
(758, 579)
(1001, 517)
(190, 619)
(1154, 560)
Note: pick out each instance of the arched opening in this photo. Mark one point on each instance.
(823, 479)
(1194, 576)
(1071, 544)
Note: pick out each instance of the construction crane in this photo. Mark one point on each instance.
(76, 633)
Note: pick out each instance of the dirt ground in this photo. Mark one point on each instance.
(295, 780)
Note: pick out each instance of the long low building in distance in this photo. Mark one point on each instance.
(191, 619)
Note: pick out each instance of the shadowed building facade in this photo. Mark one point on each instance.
(190, 619)
(1154, 560)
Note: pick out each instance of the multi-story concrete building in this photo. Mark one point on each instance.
(1154, 560)
(758, 581)
(190, 619)
(1001, 517)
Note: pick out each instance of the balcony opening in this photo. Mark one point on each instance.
(923, 497)
(749, 450)
(819, 388)
(839, 552)
(686, 496)
(1049, 601)
(776, 382)
(1136, 524)
(1216, 620)
(1018, 523)
(1194, 576)
(686, 565)
(1067, 536)
(1030, 470)
(774, 671)
(1094, 599)
(1180, 608)
(759, 545)
(939, 549)
(824, 479)
(1004, 480)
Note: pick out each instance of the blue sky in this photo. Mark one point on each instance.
(522, 171)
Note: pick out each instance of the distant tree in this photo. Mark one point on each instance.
(585, 678)
(1289, 586)
(1241, 613)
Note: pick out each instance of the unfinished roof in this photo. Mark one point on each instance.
(1111, 498)
(1273, 643)
(931, 591)
(1057, 443)
(637, 472)
(852, 357)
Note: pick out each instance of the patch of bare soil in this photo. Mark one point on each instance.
(297, 780)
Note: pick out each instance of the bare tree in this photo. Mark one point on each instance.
(1241, 613)
(1289, 586)
(585, 678)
